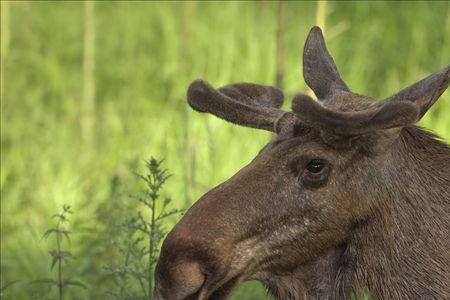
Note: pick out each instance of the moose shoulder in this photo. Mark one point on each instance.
(350, 195)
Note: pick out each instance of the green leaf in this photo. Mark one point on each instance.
(169, 213)
(66, 234)
(48, 232)
(167, 200)
(74, 283)
(54, 260)
(45, 280)
(59, 255)
(65, 254)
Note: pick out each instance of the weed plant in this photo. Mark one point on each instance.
(59, 256)
(140, 238)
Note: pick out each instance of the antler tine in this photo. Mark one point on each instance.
(319, 70)
(245, 104)
(426, 91)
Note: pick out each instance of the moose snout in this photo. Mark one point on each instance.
(179, 273)
(184, 263)
(178, 281)
(197, 259)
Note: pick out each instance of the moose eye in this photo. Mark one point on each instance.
(315, 173)
(315, 166)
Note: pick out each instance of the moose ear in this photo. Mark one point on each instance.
(319, 70)
(426, 91)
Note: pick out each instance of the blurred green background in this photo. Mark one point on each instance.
(91, 89)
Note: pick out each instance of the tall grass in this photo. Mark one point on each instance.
(144, 56)
(88, 99)
(4, 39)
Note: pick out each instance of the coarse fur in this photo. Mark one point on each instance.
(400, 251)
(349, 196)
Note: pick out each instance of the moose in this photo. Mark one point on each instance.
(349, 196)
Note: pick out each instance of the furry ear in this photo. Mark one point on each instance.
(319, 70)
(426, 91)
(386, 115)
(246, 104)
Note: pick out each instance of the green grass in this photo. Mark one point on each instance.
(146, 54)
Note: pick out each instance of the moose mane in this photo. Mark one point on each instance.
(412, 227)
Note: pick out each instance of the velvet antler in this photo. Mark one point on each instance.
(258, 105)
(319, 70)
(426, 91)
(322, 76)
(246, 104)
(386, 115)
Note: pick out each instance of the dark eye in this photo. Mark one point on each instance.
(315, 173)
(315, 166)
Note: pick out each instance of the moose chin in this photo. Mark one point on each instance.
(350, 195)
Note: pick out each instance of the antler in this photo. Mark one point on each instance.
(385, 115)
(426, 91)
(258, 106)
(246, 104)
(322, 76)
(319, 70)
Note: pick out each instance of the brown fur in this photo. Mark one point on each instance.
(400, 250)
(348, 196)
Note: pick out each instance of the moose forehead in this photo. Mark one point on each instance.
(301, 140)
(348, 102)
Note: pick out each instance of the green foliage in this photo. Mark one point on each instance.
(140, 237)
(59, 256)
(146, 54)
(4, 287)
(361, 295)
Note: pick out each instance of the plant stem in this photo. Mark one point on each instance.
(151, 246)
(122, 287)
(58, 246)
(143, 288)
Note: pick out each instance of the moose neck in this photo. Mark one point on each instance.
(405, 240)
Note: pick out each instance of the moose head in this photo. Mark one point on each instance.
(330, 204)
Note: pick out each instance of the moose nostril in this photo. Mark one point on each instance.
(179, 281)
